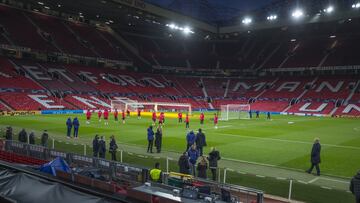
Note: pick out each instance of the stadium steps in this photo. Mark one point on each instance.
(269, 57)
(288, 56)
(79, 39)
(357, 85)
(333, 111)
(39, 29)
(227, 88)
(5, 36)
(127, 45)
(306, 90)
(6, 105)
(262, 92)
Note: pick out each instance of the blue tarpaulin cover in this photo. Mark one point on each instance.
(56, 164)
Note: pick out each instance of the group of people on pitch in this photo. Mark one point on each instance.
(24, 137)
(99, 147)
(201, 119)
(105, 115)
(193, 160)
(72, 124)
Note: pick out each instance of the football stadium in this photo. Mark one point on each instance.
(157, 101)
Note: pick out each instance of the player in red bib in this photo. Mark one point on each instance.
(202, 117)
(154, 117)
(187, 121)
(116, 114)
(139, 113)
(123, 116)
(88, 116)
(216, 118)
(180, 117)
(99, 115)
(106, 116)
(161, 118)
(128, 113)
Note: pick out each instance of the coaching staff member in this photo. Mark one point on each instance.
(315, 157)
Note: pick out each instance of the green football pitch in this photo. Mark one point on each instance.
(283, 141)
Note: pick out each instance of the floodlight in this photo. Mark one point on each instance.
(329, 9)
(272, 17)
(298, 13)
(172, 26)
(246, 20)
(356, 6)
(186, 30)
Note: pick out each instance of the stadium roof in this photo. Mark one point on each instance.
(211, 11)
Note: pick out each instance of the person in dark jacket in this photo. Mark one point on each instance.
(150, 138)
(76, 125)
(184, 164)
(202, 167)
(22, 136)
(355, 186)
(96, 146)
(9, 133)
(193, 155)
(102, 147)
(32, 138)
(315, 157)
(200, 141)
(190, 139)
(268, 115)
(214, 157)
(113, 148)
(44, 138)
(158, 139)
(69, 127)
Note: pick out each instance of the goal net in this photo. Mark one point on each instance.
(124, 104)
(235, 111)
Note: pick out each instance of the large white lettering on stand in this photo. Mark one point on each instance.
(290, 86)
(62, 72)
(130, 80)
(47, 103)
(305, 108)
(154, 82)
(36, 73)
(329, 86)
(350, 107)
(88, 76)
(91, 101)
(115, 79)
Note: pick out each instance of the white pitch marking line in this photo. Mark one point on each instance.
(288, 141)
(328, 188)
(303, 182)
(340, 181)
(280, 178)
(313, 180)
(260, 176)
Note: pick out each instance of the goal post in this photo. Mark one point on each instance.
(235, 111)
(133, 105)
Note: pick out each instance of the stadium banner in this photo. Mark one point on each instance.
(19, 113)
(47, 112)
